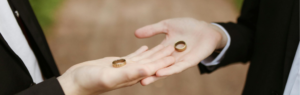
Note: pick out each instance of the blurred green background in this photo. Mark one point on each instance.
(238, 3)
(44, 10)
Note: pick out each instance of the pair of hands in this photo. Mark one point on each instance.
(147, 66)
(98, 76)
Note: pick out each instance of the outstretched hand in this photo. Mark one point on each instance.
(98, 76)
(201, 39)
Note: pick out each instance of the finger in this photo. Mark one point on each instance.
(152, 67)
(144, 81)
(174, 69)
(149, 80)
(162, 53)
(151, 30)
(145, 70)
(137, 52)
(147, 53)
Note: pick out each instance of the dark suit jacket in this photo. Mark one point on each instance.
(15, 77)
(267, 34)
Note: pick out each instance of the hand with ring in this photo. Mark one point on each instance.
(198, 38)
(101, 75)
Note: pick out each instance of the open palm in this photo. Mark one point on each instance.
(201, 39)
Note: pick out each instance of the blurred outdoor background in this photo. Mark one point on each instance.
(81, 30)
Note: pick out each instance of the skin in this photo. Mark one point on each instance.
(99, 76)
(202, 40)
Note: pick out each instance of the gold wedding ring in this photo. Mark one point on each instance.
(119, 63)
(181, 48)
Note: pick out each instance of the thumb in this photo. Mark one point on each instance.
(151, 30)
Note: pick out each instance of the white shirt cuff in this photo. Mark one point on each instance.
(215, 59)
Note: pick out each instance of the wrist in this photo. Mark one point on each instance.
(222, 43)
(73, 85)
(69, 86)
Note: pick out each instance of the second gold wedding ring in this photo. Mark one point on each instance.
(180, 46)
(119, 63)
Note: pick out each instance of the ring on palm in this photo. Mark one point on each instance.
(180, 46)
(119, 63)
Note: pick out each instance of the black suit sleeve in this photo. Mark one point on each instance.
(48, 87)
(241, 34)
